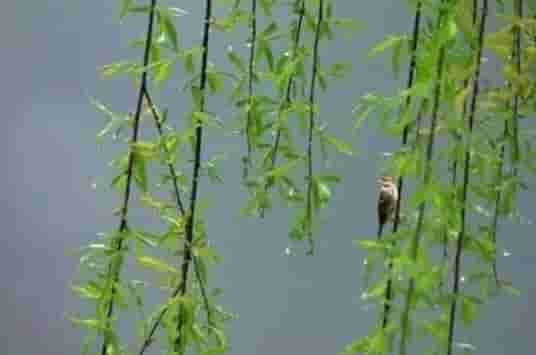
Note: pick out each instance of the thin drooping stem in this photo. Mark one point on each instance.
(170, 165)
(498, 196)
(316, 58)
(251, 75)
(404, 322)
(466, 177)
(288, 94)
(149, 338)
(516, 57)
(190, 220)
(114, 268)
(405, 134)
(454, 167)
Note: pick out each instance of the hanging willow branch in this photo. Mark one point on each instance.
(114, 268)
(190, 221)
(457, 139)
(171, 167)
(288, 95)
(411, 74)
(316, 58)
(516, 57)
(422, 206)
(251, 75)
(150, 336)
(466, 173)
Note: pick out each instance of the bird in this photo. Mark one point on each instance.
(387, 200)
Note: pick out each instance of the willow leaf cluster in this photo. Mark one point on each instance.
(179, 252)
(277, 97)
(463, 160)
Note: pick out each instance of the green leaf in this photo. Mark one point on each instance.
(121, 67)
(146, 238)
(371, 245)
(330, 179)
(284, 169)
(236, 61)
(139, 171)
(163, 72)
(119, 182)
(215, 82)
(90, 291)
(266, 50)
(168, 27)
(510, 289)
(389, 42)
(156, 264)
(469, 309)
(144, 149)
(125, 7)
(89, 323)
(339, 145)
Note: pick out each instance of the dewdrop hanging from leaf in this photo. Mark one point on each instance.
(387, 200)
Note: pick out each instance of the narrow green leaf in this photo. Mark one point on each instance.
(284, 169)
(156, 264)
(139, 171)
(168, 27)
(339, 145)
(125, 7)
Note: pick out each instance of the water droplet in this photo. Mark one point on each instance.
(506, 253)
(365, 262)
(287, 54)
(287, 251)
(462, 279)
(248, 44)
(93, 185)
(229, 48)
(364, 296)
(465, 346)
(115, 136)
(367, 307)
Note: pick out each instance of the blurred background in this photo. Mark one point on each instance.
(55, 194)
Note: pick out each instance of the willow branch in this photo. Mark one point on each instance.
(309, 202)
(113, 268)
(170, 165)
(149, 338)
(496, 212)
(190, 221)
(288, 94)
(454, 166)
(422, 206)
(251, 73)
(388, 297)
(516, 57)
(466, 176)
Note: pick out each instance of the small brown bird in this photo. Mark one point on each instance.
(387, 200)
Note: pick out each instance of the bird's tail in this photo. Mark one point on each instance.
(380, 229)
